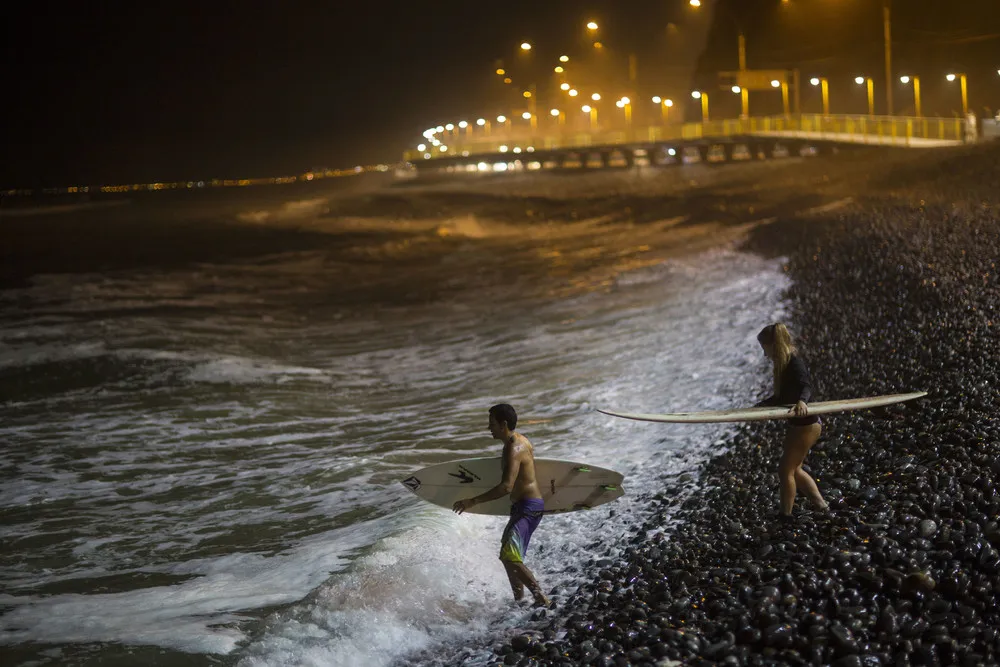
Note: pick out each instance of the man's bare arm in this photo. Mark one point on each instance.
(511, 466)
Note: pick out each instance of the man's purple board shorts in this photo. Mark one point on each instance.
(525, 515)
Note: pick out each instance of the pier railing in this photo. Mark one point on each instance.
(874, 130)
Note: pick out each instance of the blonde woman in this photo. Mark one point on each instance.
(792, 387)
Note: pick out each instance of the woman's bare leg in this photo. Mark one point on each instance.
(798, 441)
(807, 485)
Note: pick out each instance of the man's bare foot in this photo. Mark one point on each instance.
(542, 602)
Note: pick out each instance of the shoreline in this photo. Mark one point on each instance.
(896, 291)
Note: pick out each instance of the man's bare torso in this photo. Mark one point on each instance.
(525, 484)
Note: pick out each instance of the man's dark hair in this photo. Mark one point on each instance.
(504, 413)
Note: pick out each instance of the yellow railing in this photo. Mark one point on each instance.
(849, 129)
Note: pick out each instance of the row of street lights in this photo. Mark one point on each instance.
(625, 103)
(906, 80)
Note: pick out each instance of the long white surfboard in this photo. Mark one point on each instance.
(768, 412)
(566, 486)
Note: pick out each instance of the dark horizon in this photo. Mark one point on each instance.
(168, 92)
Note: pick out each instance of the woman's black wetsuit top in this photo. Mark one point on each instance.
(795, 386)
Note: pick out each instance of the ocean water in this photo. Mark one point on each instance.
(200, 459)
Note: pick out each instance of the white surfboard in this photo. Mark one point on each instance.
(769, 412)
(566, 486)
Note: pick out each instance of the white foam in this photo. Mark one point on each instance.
(200, 615)
(290, 211)
(429, 583)
(247, 371)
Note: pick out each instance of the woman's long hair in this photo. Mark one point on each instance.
(777, 336)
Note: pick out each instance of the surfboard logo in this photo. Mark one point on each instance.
(463, 476)
(412, 483)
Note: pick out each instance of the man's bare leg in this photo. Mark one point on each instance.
(528, 579)
(515, 582)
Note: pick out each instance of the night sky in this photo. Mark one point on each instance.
(130, 92)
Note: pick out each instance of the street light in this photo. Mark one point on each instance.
(965, 97)
(698, 95)
(695, 3)
(564, 59)
(871, 92)
(586, 108)
(525, 46)
(825, 88)
(736, 89)
(916, 91)
(564, 86)
(573, 92)
(591, 25)
(596, 97)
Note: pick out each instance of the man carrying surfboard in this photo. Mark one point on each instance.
(792, 386)
(519, 481)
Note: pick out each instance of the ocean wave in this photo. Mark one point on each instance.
(289, 211)
(59, 209)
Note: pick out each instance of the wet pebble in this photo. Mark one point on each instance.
(898, 293)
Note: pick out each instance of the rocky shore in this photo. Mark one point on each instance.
(896, 292)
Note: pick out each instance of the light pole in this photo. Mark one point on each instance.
(558, 115)
(664, 105)
(530, 96)
(916, 91)
(626, 104)
(531, 118)
(825, 88)
(887, 30)
(784, 94)
(586, 108)
(485, 124)
(965, 93)
(698, 95)
(742, 47)
(871, 92)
